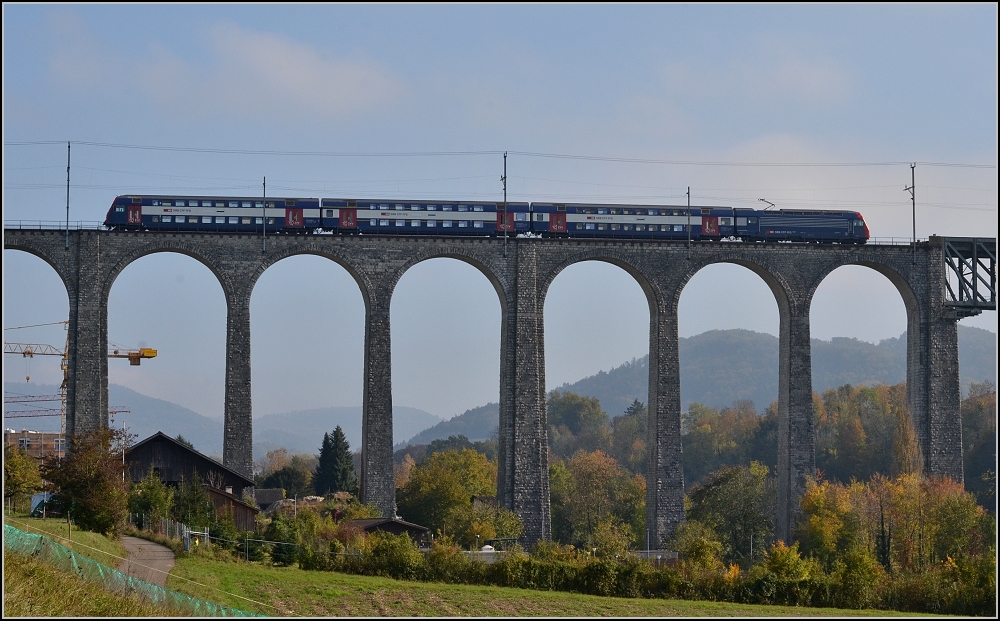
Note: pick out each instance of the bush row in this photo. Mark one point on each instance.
(963, 586)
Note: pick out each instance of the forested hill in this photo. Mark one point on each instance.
(720, 366)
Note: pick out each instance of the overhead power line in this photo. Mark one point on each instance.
(565, 156)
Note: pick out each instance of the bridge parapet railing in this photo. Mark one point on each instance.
(53, 225)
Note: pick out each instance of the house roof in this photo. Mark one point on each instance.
(367, 523)
(231, 497)
(159, 436)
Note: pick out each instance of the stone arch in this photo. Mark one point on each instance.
(496, 277)
(772, 277)
(363, 282)
(623, 260)
(44, 256)
(159, 247)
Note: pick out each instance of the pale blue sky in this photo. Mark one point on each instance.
(703, 83)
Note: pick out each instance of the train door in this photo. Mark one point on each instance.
(293, 218)
(710, 225)
(348, 218)
(135, 214)
(557, 223)
(505, 221)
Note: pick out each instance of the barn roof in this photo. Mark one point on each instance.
(159, 436)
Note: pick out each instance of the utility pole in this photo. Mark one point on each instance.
(263, 221)
(689, 258)
(504, 220)
(67, 194)
(913, 200)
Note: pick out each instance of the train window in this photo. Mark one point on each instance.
(270, 220)
(752, 220)
(463, 208)
(859, 223)
(615, 227)
(246, 221)
(399, 207)
(231, 204)
(679, 228)
(156, 218)
(414, 222)
(627, 212)
(352, 203)
(329, 213)
(220, 219)
(120, 209)
(414, 207)
(626, 227)
(579, 226)
(289, 202)
(431, 207)
(206, 219)
(234, 220)
(446, 207)
(136, 200)
(539, 217)
(725, 221)
(179, 203)
(167, 203)
(258, 220)
(601, 210)
(613, 211)
(432, 223)
(259, 204)
(640, 227)
(270, 205)
(400, 222)
(478, 224)
(654, 212)
(446, 223)
(165, 219)
(706, 211)
(477, 208)
(521, 217)
(463, 224)
(155, 203)
(601, 227)
(247, 204)
(560, 207)
(180, 219)
(373, 222)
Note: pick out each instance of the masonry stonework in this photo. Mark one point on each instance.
(521, 271)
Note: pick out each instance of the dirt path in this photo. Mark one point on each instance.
(147, 560)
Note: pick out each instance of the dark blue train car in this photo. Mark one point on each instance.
(214, 213)
(398, 217)
(632, 221)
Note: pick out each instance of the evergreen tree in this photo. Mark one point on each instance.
(335, 470)
(324, 474)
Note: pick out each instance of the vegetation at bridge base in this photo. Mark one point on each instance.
(89, 482)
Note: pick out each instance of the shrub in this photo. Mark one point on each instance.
(393, 556)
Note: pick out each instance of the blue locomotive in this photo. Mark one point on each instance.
(480, 218)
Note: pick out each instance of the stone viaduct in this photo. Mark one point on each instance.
(521, 273)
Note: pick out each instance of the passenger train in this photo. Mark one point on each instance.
(479, 218)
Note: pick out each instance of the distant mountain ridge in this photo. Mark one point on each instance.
(721, 366)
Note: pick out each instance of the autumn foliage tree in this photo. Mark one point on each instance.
(90, 481)
(439, 491)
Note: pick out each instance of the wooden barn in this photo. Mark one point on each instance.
(174, 462)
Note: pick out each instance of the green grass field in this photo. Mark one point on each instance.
(91, 545)
(290, 591)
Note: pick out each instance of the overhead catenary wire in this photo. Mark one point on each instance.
(488, 152)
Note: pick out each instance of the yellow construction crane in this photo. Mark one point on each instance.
(30, 350)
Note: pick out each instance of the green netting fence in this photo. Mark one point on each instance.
(43, 548)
